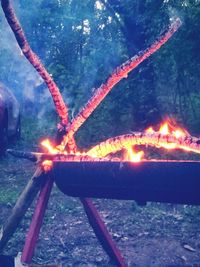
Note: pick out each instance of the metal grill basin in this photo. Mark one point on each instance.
(156, 181)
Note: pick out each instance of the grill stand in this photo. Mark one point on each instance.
(94, 219)
(36, 223)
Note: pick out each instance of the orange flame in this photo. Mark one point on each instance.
(133, 156)
(47, 144)
(167, 128)
(47, 165)
(150, 130)
(179, 133)
(164, 129)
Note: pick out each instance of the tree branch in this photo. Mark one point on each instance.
(118, 74)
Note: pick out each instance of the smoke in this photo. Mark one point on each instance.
(20, 76)
(79, 76)
(174, 13)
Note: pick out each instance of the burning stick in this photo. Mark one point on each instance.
(120, 73)
(118, 143)
(40, 157)
(34, 60)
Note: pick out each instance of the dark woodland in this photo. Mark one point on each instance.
(80, 43)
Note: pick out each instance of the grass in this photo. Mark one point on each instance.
(33, 130)
(8, 196)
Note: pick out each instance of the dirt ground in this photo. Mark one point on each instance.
(153, 235)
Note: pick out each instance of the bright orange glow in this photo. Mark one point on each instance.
(58, 149)
(150, 130)
(164, 129)
(47, 144)
(133, 156)
(179, 133)
(168, 136)
(47, 165)
(168, 145)
(167, 128)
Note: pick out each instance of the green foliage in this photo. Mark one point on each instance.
(8, 197)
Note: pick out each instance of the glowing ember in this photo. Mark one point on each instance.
(167, 128)
(150, 130)
(58, 150)
(47, 144)
(164, 129)
(47, 165)
(179, 133)
(133, 156)
(168, 136)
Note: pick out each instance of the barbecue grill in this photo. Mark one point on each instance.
(159, 181)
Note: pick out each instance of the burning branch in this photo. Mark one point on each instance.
(155, 139)
(118, 74)
(41, 157)
(35, 61)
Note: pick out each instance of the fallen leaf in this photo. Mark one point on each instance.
(188, 247)
(184, 258)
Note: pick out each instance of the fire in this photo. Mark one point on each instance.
(133, 156)
(167, 128)
(179, 133)
(47, 165)
(150, 130)
(47, 144)
(164, 129)
(167, 136)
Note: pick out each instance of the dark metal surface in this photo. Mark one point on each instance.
(162, 181)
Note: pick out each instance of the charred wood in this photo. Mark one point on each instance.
(40, 157)
(32, 156)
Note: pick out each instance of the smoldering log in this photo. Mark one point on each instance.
(112, 145)
(118, 74)
(40, 157)
(14, 24)
(101, 151)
